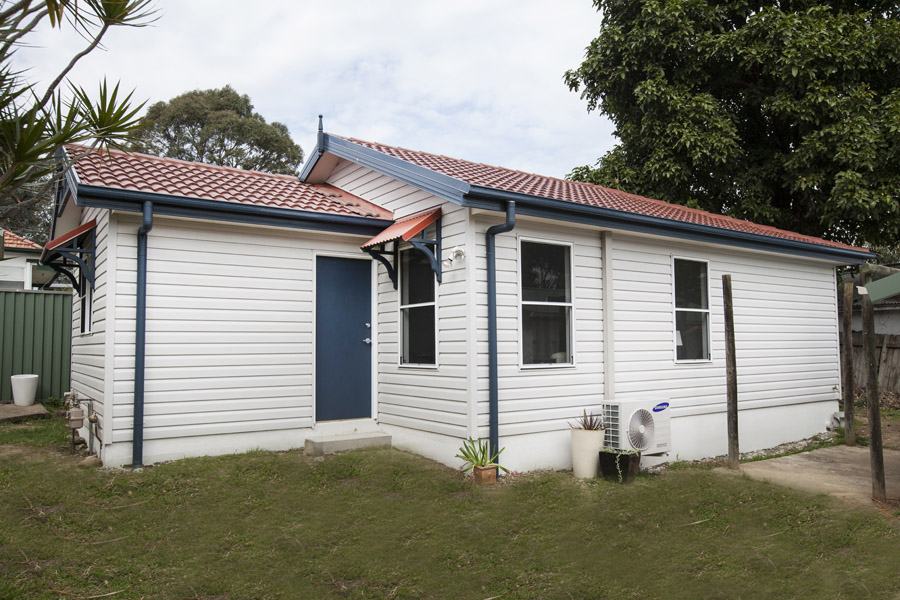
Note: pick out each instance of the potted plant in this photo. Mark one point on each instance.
(478, 459)
(588, 435)
(619, 466)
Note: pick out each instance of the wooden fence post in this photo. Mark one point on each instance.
(734, 454)
(847, 366)
(873, 398)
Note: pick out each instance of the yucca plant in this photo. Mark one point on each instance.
(36, 124)
(478, 454)
(589, 421)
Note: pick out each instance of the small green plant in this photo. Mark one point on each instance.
(589, 421)
(478, 454)
(53, 403)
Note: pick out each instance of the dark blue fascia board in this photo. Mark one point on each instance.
(196, 208)
(68, 183)
(311, 162)
(437, 184)
(492, 199)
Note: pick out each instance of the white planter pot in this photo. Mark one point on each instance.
(586, 444)
(24, 389)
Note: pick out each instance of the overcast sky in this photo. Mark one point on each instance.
(474, 79)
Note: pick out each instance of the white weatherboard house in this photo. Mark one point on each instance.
(19, 268)
(239, 310)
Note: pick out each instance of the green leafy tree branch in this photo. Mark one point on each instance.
(784, 113)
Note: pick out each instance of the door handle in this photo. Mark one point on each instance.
(368, 340)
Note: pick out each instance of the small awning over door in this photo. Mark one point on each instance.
(75, 249)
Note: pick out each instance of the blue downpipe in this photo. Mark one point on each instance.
(140, 332)
(493, 380)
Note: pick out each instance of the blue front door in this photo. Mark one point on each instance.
(343, 338)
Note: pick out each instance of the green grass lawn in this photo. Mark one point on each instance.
(386, 524)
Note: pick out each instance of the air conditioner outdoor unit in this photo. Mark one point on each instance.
(643, 425)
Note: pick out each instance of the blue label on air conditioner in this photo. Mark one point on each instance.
(661, 407)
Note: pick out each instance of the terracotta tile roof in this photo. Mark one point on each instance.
(140, 172)
(11, 240)
(509, 180)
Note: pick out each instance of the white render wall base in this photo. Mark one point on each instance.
(759, 429)
(155, 451)
(544, 450)
(706, 435)
(437, 447)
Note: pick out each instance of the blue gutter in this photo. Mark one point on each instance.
(140, 332)
(493, 199)
(493, 379)
(235, 212)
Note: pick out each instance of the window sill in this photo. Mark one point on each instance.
(420, 367)
(547, 366)
(701, 361)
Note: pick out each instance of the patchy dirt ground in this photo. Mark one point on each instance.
(890, 417)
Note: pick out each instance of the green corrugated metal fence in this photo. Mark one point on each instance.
(36, 337)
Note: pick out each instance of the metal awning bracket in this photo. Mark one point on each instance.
(431, 249)
(75, 253)
(388, 259)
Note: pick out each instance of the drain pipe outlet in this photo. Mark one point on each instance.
(140, 331)
(493, 381)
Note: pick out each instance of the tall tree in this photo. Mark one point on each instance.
(218, 127)
(35, 123)
(782, 112)
(34, 219)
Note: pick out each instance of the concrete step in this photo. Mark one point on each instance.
(10, 413)
(319, 445)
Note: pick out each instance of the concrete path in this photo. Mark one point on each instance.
(10, 413)
(839, 471)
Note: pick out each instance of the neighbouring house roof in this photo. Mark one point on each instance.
(485, 186)
(173, 177)
(11, 240)
(405, 228)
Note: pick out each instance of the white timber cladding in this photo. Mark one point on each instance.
(89, 349)
(230, 322)
(434, 399)
(534, 400)
(785, 329)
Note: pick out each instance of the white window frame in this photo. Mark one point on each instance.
(401, 307)
(521, 302)
(707, 310)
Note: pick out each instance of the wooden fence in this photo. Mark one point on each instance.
(887, 353)
(36, 337)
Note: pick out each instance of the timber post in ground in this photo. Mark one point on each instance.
(876, 453)
(734, 454)
(847, 366)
